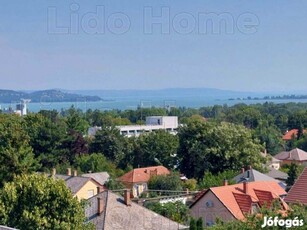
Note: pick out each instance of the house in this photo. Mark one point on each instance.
(137, 179)
(297, 193)
(289, 135)
(272, 162)
(109, 211)
(233, 202)
(294, 156)
(81, 187)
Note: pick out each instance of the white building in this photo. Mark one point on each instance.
(168, 123)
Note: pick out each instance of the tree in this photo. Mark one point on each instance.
(165, 182)
(176, 211)
(155, 148)
(292, 174)
(38, 202)
(110, 142)
(214, 180)
(216, 147)
(16, 155)
(75, 121)
(47, 132)
(193, 225)
(97, 162)
(199, 224)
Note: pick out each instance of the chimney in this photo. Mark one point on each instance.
(225, 182)
(265, 152)
(75, 173)
(53, 172)
(68, 172)
(245, 187)
(242, 170)
(99, 206)
(127, 197)
(249, 167)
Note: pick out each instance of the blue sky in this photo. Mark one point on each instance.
(260, 46)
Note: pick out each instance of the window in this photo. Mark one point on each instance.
(90, 193)
(255, 208)
(209, 204)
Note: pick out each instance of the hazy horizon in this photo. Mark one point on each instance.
(152, 45)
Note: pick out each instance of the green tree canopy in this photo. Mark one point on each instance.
(216, 147)
(16, 154)
(37, 202)
(110, 142)
(165, 182)
(176, 211)
(155, 148)
(97, 162)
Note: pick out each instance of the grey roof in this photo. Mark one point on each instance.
(277, 174)
(254, 175)
(6, 228)
(117, 215)
(100, 177)
(74, 183)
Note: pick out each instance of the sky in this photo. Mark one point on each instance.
(239, 45)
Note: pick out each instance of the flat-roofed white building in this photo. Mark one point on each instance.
(168, 123)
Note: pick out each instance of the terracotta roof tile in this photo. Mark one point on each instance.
(143, 174)
(244, 201)
(297, 193)
(289, 134)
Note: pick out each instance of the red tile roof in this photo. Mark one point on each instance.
(143, 174)
(290, 134)
(293, 155)
(297, 193)
(238, 202)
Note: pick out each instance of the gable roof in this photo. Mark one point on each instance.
(276, 174)
(237, 201)
(100, 177)
(117, 215)
(251, 175)
(75, 183)
(297, 193)
(293, 155)
(143, 174)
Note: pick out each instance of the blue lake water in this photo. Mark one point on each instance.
(124, 103)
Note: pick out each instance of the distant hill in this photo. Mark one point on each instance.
(11, 96)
